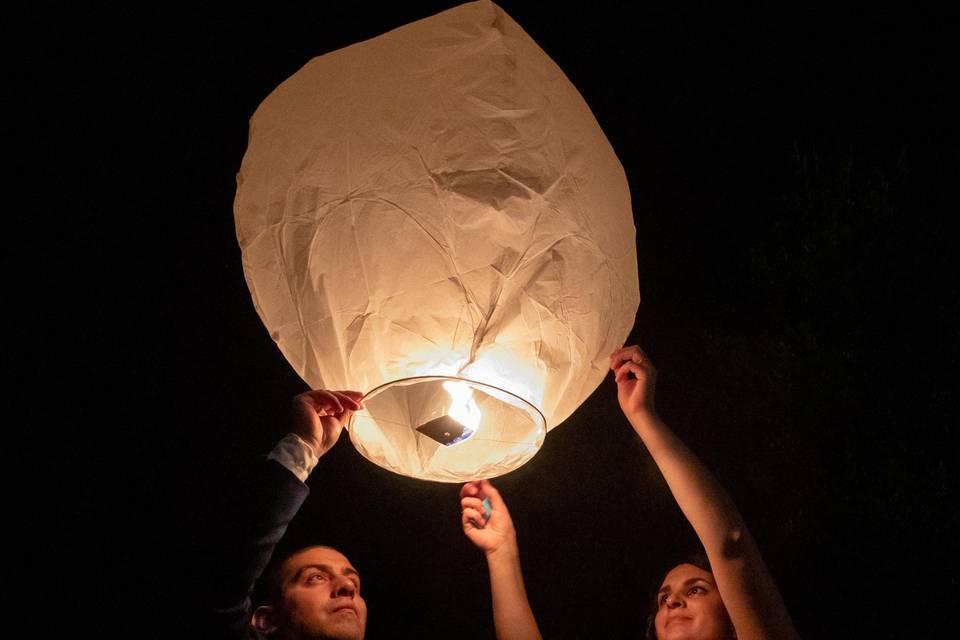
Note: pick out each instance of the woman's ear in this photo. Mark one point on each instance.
(263, 620)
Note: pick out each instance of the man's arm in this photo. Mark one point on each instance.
(272, 497)
(746, 587)
(492, 531)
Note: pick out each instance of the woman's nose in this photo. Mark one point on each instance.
(674, 601)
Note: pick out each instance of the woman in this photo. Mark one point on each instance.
(731, 596)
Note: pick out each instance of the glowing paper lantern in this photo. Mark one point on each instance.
(435, 217)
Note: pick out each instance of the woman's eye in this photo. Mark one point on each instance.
(697, 590)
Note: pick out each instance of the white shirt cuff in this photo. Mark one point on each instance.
(296, 455)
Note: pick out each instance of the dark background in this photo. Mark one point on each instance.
(790, 174)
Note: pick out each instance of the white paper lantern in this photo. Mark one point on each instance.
(434, 217)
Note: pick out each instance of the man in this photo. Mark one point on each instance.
(315, 592)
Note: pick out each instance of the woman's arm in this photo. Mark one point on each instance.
(492, 531)
(746, 586)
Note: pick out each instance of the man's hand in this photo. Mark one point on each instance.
(319, 416)
(491, 531)
(636, 380)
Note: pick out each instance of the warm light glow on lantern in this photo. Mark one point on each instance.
(502, 368)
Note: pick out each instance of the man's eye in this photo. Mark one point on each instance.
(317, 577)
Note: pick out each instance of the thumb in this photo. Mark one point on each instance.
(491, 492)
(470, 489)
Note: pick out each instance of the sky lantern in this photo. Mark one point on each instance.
(435, 218)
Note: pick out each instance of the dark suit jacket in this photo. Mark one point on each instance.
(262, 511)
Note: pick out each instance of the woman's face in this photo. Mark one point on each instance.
(689, 607)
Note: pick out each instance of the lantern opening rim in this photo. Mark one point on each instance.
(376, 390)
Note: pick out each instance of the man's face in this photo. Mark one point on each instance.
(321, 596)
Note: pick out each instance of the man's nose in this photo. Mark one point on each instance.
(344, 587)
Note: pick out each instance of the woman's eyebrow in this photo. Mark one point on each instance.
(690, 581)
(666, 588)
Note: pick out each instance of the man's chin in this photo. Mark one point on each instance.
(337, 627)
(346, 626)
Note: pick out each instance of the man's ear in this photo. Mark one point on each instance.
(264, 619)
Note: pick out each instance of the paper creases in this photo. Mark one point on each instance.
(439, 201)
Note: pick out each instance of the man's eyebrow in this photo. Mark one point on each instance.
(322, 567)
(349, 571)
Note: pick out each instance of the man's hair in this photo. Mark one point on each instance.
(269, 588)
(697, 558)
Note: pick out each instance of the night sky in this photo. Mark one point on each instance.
(789, 175)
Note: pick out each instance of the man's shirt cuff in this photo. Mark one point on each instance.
(296, 455)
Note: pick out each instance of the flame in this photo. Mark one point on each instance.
(463, 408)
